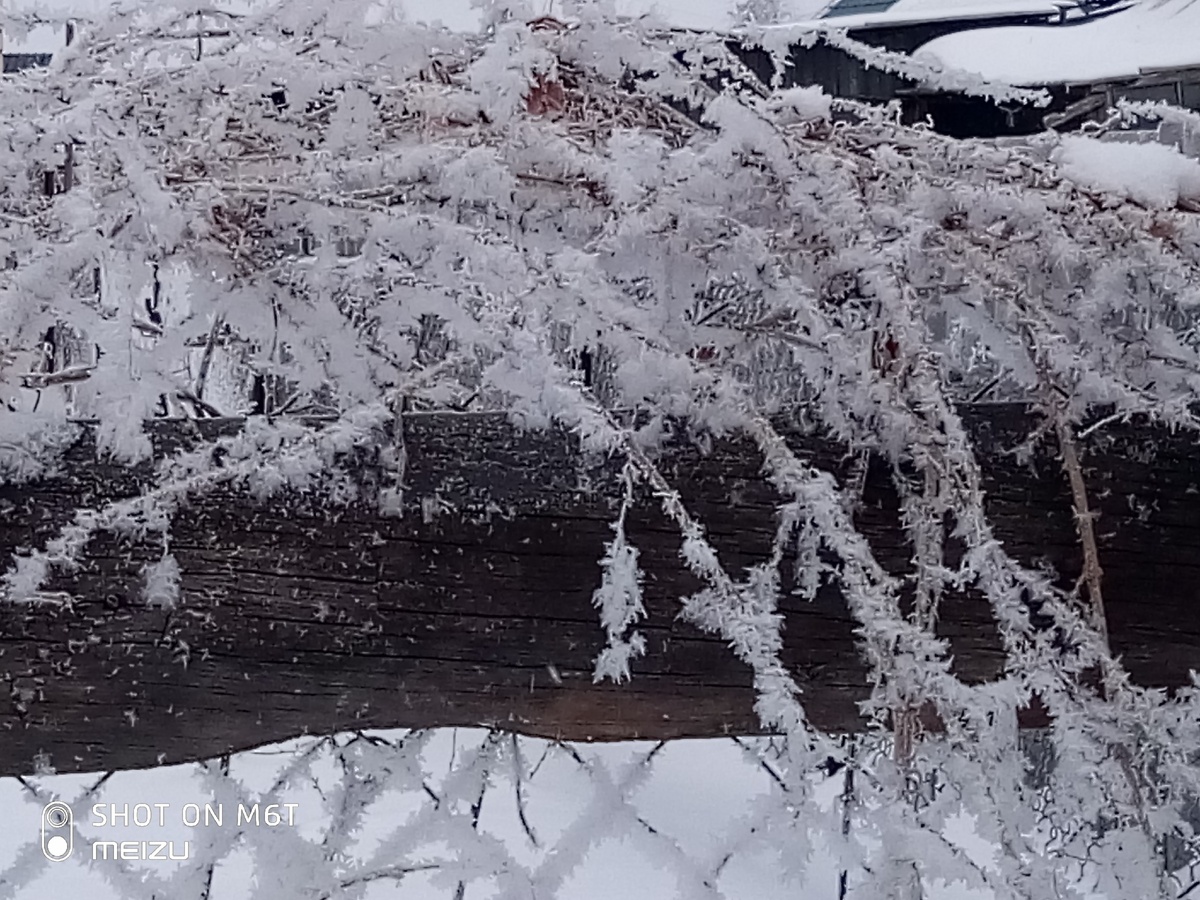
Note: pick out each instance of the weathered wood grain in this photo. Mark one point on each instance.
(297, 617)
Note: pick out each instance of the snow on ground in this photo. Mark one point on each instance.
(1155, 34)
(694, 807)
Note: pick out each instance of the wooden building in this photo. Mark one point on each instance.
(1149, 52)
(902, 26)
(18, 62)
(917, 28)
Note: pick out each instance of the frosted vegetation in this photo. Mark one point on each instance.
(317, 208)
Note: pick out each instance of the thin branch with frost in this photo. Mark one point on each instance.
(619, 597)
(742, 615)
(273, 460)
(926, 72)
(1084, 523)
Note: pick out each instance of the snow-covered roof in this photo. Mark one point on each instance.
(42, 39)
(844, 14)
(1153, 35)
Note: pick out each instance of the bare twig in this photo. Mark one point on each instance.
(519, 789)
(206, 358)
(1084, 523)
(69, 375)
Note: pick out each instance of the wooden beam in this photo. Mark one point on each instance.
(475, 607)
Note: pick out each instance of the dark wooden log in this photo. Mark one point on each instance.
(475, 607)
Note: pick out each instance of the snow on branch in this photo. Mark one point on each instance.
(619, 597)
(929, 73)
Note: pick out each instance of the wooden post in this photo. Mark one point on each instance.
(475, 607)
